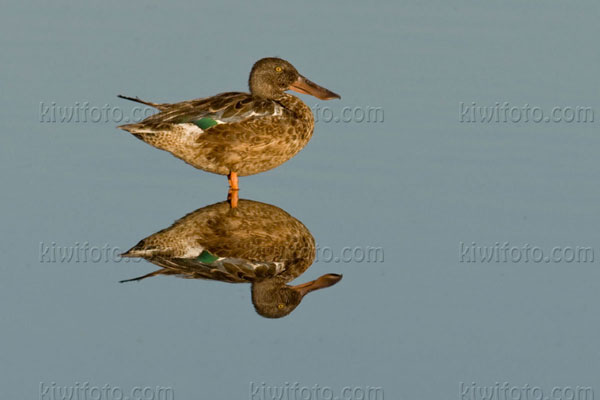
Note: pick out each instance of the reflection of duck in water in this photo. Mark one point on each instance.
(255, 243)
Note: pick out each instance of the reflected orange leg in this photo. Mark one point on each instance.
(232, 198)
(232, 195)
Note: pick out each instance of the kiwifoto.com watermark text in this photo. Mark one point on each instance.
(85, 252)
(87, 391)
(296, 391)
(346, 115)
(505, 112)
(506, 391)
(506, 252)
(86, 113)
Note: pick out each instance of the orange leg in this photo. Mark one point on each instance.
(232, 178)
(234, 189)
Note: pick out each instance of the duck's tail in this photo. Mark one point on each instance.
(148, 103)
(137, 130)
(141, 250)
(139, 278)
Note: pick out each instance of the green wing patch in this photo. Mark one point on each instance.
(205, 123)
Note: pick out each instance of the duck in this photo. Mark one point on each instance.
(255, 243)
(235, 133)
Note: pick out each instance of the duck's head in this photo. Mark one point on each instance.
(275, 299)
(271, 76)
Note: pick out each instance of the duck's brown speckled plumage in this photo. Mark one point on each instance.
(258, 134)
(254, 232)
(255, 131)
(255, 243)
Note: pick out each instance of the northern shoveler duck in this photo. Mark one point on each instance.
(233, 133)
(254, 243)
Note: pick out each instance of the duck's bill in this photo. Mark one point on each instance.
(306, 86)
(319, 283)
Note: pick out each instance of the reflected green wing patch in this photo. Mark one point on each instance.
(206, 257)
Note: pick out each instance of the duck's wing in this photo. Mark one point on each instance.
(224, 269)
(224, 108)
(186, 258)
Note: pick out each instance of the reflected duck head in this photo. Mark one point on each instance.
(272, 298)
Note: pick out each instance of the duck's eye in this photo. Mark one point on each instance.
(278, 69)
(280, 305)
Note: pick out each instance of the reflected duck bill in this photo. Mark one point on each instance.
(321, 282)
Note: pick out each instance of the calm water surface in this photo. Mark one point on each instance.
(420, 185)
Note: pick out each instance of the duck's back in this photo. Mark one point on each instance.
(230, 132)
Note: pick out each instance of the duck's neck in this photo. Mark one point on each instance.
(296, 106)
